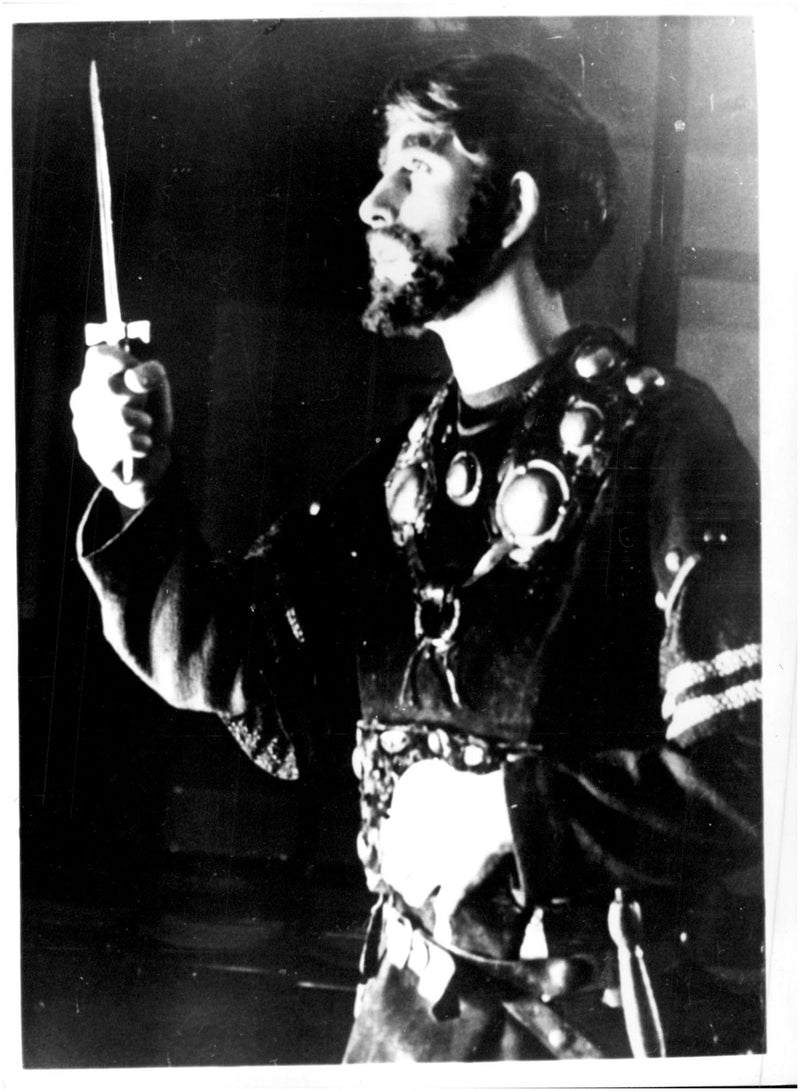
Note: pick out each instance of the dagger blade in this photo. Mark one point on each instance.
(110, 287)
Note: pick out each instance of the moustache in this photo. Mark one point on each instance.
(381, 240)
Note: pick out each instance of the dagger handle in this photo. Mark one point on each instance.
(639, 1007)
(118, 333)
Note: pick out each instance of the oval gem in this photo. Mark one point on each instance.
(394, 739)
(473, 754)
(579, 426)
(673, 561)
(528, 506)
(644, 379)
(595, 362)
(463, 479)
(406, 495)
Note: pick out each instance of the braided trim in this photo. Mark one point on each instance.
(686, 675)
(677, 585)
(699, 709)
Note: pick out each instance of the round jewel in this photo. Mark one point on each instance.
(592, 363)
(463, 479)
(532, 502)
(579, 426)
(406, 496)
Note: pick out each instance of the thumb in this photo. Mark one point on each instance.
(145, 377)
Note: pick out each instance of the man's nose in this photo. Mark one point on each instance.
(379, 208)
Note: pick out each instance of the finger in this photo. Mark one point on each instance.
(144, 377)
(141, 444)
(151, 378)
(136, 419)
(126, 428)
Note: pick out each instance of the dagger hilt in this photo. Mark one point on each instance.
(118, 333)
(115, 333)
(639, 1007)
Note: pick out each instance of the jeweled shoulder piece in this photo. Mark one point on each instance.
(411, 484)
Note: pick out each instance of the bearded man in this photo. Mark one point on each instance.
(545, 604)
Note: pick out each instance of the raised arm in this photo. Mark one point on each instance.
(238, 639)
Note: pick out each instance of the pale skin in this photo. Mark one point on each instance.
(120, 410)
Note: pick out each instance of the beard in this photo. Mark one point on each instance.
(440, 285)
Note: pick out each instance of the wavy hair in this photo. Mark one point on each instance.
(520, 116)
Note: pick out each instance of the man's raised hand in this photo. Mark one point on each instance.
(122, 410)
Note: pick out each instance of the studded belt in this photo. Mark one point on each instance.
(464, 751)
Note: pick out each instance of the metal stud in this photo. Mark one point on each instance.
(579, 426)
(473, 754)
(394, 740)
(673, 561)
(644, 379)
(593, 363)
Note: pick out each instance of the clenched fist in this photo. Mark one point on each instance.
(122, 411)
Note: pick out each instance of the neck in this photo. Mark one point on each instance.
(508, 329)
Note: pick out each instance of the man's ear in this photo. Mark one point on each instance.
(524, 202)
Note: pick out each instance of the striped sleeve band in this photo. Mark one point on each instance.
(701, 690)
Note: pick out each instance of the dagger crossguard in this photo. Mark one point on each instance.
(113, 333)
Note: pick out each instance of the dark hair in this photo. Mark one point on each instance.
(523, 117)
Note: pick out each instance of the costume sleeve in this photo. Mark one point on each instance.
(237, 639)
(684, 808)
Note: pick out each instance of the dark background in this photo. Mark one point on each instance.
(239, 152)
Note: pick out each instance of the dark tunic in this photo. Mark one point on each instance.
(547, 608)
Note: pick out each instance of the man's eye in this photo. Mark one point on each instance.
(419, 166)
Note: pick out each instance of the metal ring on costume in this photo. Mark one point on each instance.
(532, 503)
(436, 599)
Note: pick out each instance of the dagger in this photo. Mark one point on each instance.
(639, 1007)
(114, 331)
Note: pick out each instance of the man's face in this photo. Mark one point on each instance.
(430, 253)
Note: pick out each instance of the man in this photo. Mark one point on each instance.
(544, 605)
